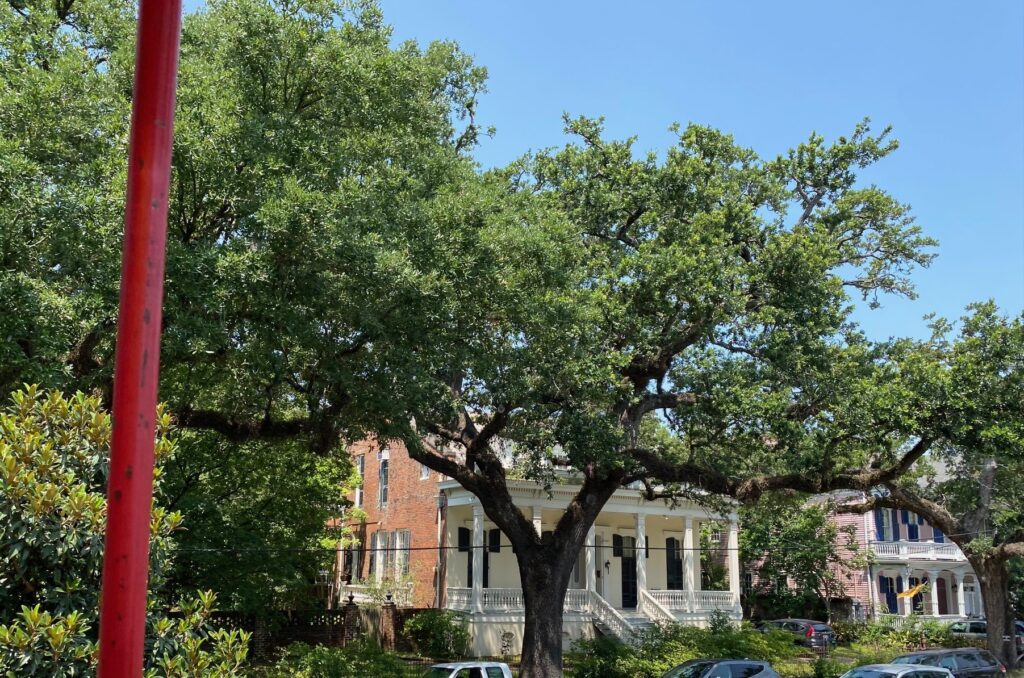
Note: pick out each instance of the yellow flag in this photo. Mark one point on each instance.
(910, 593)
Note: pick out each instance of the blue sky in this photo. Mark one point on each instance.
(949, 76)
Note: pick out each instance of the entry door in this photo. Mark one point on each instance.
(629, 572)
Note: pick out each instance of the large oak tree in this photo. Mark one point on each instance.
(689, 330)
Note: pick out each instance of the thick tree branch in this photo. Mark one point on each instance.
(748, 490)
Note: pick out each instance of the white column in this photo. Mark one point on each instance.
(961, 604)
(691, 561)
(734, 560)
(537, 520)
(590, 559)
(933, 584)
(906, 605)
(478, 558)
(641, 552)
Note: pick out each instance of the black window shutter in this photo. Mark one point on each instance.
(617, 545)
(494, 540)
(647, 547)
(463, 538)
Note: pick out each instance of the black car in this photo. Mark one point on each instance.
(965, 662)
(722, 668)
(808, 632)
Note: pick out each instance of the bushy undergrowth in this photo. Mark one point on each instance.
(359, 659)
(661, 648)
(439, 634)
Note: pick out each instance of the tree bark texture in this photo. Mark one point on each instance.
(994, 579)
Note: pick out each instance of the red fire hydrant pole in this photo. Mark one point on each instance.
(137, 353)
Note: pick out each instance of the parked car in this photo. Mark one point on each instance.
(965, 662)
(722, 668)
(807, 631)
(469, 670)
(897, 671)
(977, 629)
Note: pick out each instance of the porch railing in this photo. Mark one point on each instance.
(459, 598)
(714, 600)
(610, 618)
(674, 599)
(506, 600)
(904, 550)
(648, 606)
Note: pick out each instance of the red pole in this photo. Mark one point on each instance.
(137, 355)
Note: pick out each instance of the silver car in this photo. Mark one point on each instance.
(897, 671)
(722, 668)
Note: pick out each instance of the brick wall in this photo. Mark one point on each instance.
(411, 505)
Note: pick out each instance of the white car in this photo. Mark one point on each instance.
(469, 670)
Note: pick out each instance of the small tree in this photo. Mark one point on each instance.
(54, 454)
(785, 538)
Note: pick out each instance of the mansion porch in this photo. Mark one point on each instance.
(641, 563)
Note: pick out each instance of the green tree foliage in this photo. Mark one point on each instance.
(797, 552)
(971, 486)
(322, 198)
(687, 327)
(54, 453)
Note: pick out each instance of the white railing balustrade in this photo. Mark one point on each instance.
(714, 600)
(508, 600)
(576, 600)
(459, 598)
(503, 599)
(648, 606)
(916, 550)
(674, 600)
(610, 617)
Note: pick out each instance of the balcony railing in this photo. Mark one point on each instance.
(695, 601)
(578, 600)
(916, 550)
(509, 600)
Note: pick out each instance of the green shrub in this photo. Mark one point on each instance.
(598, 658)
(439, 634)
(359, 659)
(54, 453)
(668, 645)
(828, 668)
(848, 631)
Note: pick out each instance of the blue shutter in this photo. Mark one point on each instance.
(905, 517)
(913, 532)
(879, 527)
(939, 537)
(895, 524)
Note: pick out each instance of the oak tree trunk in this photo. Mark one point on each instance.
(994, 580)
(544, 586)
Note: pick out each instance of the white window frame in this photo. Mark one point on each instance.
(361, 468)
(424, 472)
(886, 524)
(383, 473)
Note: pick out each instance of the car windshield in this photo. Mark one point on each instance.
(869, 673)
(688, 670)
(908, 659)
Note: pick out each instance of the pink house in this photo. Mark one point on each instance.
(906, 551)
